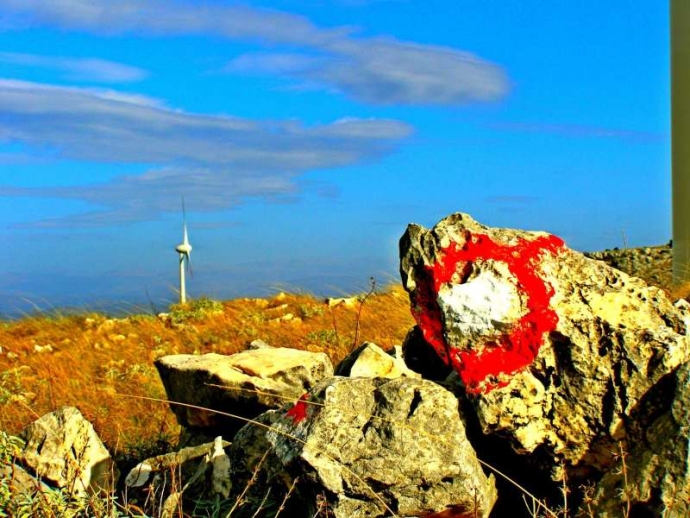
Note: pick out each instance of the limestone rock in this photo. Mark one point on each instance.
(370, 361)
(555, 350)
(20, 481)
(348, 302)
(244, 384)
(259, 344)
(63, 449)
(371, 447)
(652, 472)
(18, 488)
(15, 479)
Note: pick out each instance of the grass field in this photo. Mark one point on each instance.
(95, 363)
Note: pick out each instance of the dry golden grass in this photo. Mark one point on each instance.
(91, 361)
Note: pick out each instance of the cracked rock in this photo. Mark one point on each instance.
(370, 448)
(555, 351)
(244, 384)
(652, 472)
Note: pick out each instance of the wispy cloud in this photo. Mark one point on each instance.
(215, 161)
(174, 17)
(378, 70)
(80, 69)
(388, 71)
(577, 131)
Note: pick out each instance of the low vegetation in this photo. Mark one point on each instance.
(96, 363)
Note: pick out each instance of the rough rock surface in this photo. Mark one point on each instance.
(370, 361)
(555, 350)
(655, 480)
(63, 449)
(244, 384)
(372, 447)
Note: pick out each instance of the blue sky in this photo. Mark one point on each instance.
(305, 136)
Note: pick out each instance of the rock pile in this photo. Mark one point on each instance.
(558, 368)
(556, 353)
(654, 264)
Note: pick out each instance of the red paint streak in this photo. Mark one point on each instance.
(298, 412)
(480, 370)
(452, 512)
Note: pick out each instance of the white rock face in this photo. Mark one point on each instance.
(220, 476)
(139, 475)
(482, 304)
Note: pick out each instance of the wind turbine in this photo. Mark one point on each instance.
(185, 251)
(680, 137)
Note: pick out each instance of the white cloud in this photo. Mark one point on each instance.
(84, 69)
(373, 70)
(387, 71)
(170, 17)
(215, 161)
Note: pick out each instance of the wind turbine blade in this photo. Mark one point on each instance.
(189, 265)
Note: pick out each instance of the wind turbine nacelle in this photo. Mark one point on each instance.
(184, 249)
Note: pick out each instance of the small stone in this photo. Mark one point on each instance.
(63, 448)
(259, 344)
(370, 361)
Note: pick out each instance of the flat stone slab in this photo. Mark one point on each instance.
(244, 384)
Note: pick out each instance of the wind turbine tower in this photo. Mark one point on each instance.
(185, 250)
(680, 137)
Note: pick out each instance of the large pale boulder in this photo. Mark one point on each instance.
(244, 384)
(554, 350)
(369, 447)
(63, 449)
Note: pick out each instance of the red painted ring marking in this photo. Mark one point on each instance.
(485, 370)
